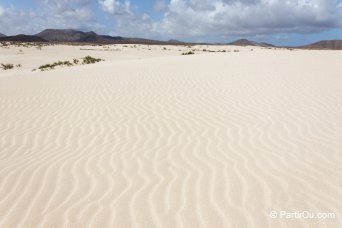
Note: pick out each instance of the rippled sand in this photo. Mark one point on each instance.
(151, 138)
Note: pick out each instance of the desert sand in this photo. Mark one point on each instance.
(151, 138)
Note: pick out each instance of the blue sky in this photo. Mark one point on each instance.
(281, 22)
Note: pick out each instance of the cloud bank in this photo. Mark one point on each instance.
(48, 14)
(241, 17)
(180, 18)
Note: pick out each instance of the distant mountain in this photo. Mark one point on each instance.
(66, 35)
(263, 44)
(245, 42)
(74, 36)
(325, 45)
(70, 35)
(22, 38)
(175, 41)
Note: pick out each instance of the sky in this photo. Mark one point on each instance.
(280, 22)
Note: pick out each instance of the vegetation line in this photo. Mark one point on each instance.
(85, 60)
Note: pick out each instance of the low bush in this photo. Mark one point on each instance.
(6, 66)
(90, 60)
(188, 53)
(86, 60)
(53, 65)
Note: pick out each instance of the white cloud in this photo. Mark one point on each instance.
(186, 18)
(108, 5)
(74, 14)
(134, 25)
(1, 11)
(116, 7)
(179, 18)
(244, 17)
(127, 21)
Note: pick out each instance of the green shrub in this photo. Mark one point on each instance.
(6, 66)
(46, 67)
(188, 53)
(86, 60)
(53, 65)
(90, 60)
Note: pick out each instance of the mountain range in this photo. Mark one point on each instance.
(325, 44)
(69, 35)
(245, 42)
(22, 38)
(74, 36)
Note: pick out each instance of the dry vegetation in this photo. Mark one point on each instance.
(6, 66)
(85, 60)
(188, 53)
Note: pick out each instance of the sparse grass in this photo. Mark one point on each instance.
(90, 60)
(4, 44)
(6, 66)
(46, 67)
(188, 53)
(86, 60)
(53, 65)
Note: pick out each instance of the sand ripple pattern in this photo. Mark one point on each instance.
(210, 140)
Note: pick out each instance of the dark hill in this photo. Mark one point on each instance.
(66, 35)
(325, 45)
(22, 38)
(70, 35)
(245, 42)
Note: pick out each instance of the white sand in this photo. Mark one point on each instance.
(150, 138)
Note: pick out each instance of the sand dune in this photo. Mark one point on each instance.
(207, 140)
